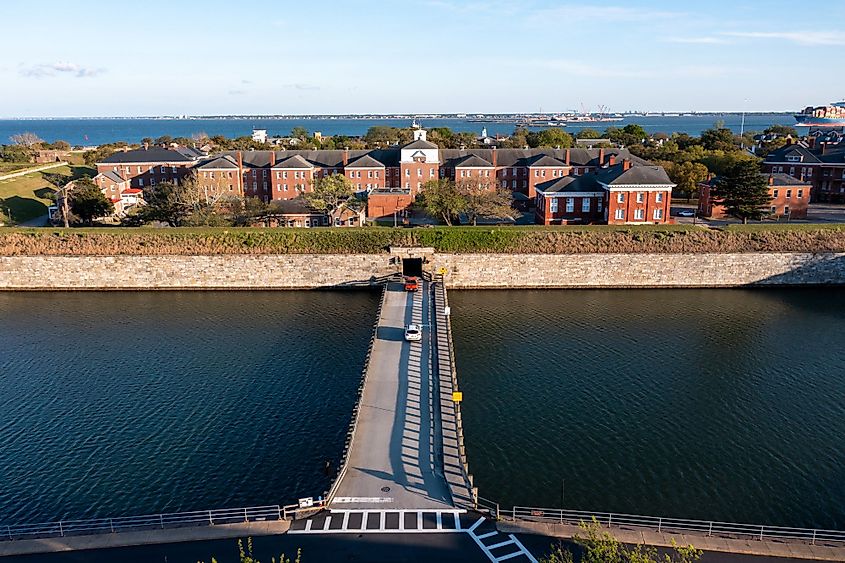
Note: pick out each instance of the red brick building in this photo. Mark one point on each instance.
(790, 197)
(616, 194)
(820, 163)
(153, 165)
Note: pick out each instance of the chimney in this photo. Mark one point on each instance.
(611, 160)
(811, 142)
(146, 146)
(601, 157)
(494, 157)
(626, 164)
(567, 157)
(272, 159)
(241, 171)
(789, 140)
(345, 156)
(824, 148)
(771, 180)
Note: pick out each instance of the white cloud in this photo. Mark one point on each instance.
(807, 38)
(59, 68)
(600, 13)
(301, 86)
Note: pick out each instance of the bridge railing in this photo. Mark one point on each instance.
(676, 525)
(163, 521)
(353, 425)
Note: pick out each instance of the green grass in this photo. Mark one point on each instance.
(26, 197)
(780, 227)
(9, 167)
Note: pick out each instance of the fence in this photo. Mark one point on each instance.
(162, 521)
(676, 525)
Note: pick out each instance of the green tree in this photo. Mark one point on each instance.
(588, 133)
(381, 136)
(483, 197)
(165, 202)
(102, 152)
(782, 130)
(768, 146)
(442, 199)
(743, 190)
(551, 137)
(718, 139)
(16, 153)
(164, 140)
(630, 135)
(87, 201)
(686, 176)
(330, 193)
(300, 132)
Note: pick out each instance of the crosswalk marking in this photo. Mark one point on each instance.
(366, 517)
(488, 535)
(488, 548)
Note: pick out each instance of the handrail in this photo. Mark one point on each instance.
(356, 411)
(661, 524)
(162, 521)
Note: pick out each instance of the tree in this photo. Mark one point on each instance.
(782, 130)
(686, 176)
(330, 193)
(596, 545)
(719, 139)
(551, 137)
(102, 152)
(441, 198)
(164, 140)
(484, 198)
(16, 153)
(26, 139)
(300, 133)
(87, 201)
(631, 134)
(743, 191)
(164, 202)
(381, 136)
(588, 133)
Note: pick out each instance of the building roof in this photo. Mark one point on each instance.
(472, 161)
(544, 160)
(571, 184)
(113, 176)
(154, 155)
(295, 206)
(223, 162)
(132, 191)
(365, 161)
(777, 179)
(634, 176)
(295, 161)
(420, 144)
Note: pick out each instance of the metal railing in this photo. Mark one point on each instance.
(163, 521)
(356, 410)
(676, 525)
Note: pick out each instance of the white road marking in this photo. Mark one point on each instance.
(510, 556)
(439, 520)
(328, 521)
(488, 535)
(502, 544)
(366, 500)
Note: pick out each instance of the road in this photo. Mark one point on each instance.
(394, 460)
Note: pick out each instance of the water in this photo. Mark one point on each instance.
(98, 131)
(134, 403)
(707, 404)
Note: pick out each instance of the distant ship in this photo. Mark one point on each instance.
(823, 116)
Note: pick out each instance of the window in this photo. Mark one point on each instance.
(536, 173)
(543, 173)
(658, 197)
(620, 197)
(139, 170)
(792, 171)
(786, 210)
(140, 182)
(553, 205)
(639, 214)
(774, 210)
(407, 172)
(376, 174)
(585, 205)
(513, 184)
(800, 194)
(788, 194)
(620, 214)
(793, 158)
(152, 181)
(163, 169)
(598, 205)
(285, 174)
(504, 183)
(640, 196)
(658, 214)
(173, 169)
(570, 204)
(774, 194)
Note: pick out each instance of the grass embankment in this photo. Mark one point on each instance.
(26, 197)
(374, 240)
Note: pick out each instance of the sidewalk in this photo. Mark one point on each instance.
(767, 548)
(20, 173)
(149, 537)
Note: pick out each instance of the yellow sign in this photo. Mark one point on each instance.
(457, 396)
(442, 271)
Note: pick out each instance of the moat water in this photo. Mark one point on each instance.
(715, 404)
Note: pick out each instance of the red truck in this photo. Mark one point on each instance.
(411, 283)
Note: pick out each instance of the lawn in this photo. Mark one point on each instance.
(27, 197)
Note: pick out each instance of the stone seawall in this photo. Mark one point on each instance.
(304, 271)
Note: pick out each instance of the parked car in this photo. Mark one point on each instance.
(411, 283)
(413, 333)
(686, 213)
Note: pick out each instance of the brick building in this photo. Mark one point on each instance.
(820, 163)
(790, 197)
(616, 194)
(149, 166)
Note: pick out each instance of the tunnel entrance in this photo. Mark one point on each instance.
(412, 267)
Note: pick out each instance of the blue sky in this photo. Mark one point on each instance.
(101, 58)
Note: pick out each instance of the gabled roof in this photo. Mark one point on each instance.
(780, 154)
(153, 155)
(777, 179)
(544, 160)
(571, 184)
(224, 162)
(420, 144)
(472, 161)
(295, 206)
(634, 176)
(295, 161)
(365, 161)
(113, 176)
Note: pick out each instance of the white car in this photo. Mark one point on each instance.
(413, 333)
(686, 213)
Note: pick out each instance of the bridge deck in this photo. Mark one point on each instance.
(395, 461)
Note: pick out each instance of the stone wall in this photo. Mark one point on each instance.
(293, 271)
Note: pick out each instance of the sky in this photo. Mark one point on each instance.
(183, 57)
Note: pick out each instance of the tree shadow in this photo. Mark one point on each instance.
(22, 208)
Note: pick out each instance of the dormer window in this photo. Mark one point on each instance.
(793, 158)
